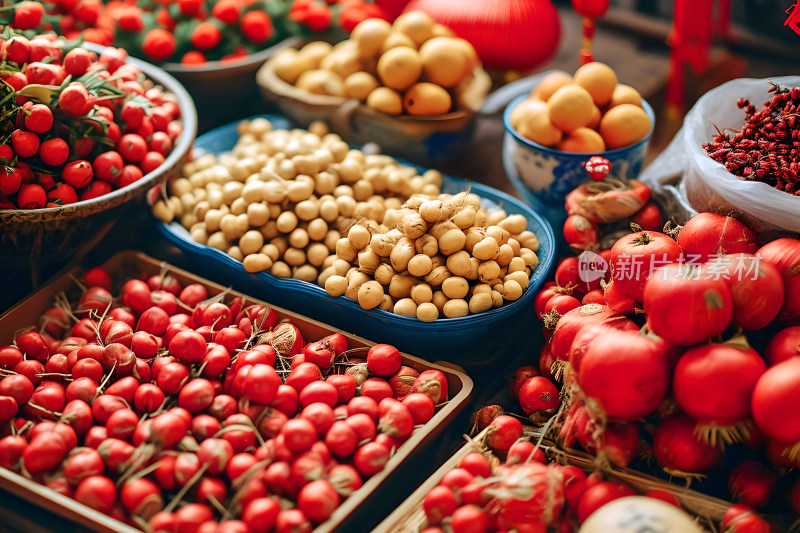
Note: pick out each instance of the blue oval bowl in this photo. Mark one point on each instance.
(543, 175)
(473, 340)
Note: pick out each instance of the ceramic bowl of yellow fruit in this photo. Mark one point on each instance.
(553, 130)
(412, 87)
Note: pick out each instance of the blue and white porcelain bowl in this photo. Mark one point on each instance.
(545, 176)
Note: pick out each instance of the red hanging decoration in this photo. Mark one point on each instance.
(691, 38)
(506, 34)
(589, 10)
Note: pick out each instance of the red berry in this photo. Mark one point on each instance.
(165, 19)
(45, 73)
(77, 61)
(159, 45)
(83, 147)
(256, 26)
(75, 100)
(64, 193)
(6, 152)
(25, 143)
(88, 11)
(151, 161)
(28, 15)
(17, 49)
(96, 189)
(40, 118)
(189, 7)
(10, 182)
(47, 181)
(32, 196)
(132, 114)
(78, 173)
(54, 152)
(108, 166)
(160, 115)
(227, 11)
(113, 58)
(114, 133)
(129, 18)
(145, 129)
(206, 36)
(130, 174)
(193, 57)
(132, 147)
(160, 142)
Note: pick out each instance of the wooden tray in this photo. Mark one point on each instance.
(410, 517)
(130, 263)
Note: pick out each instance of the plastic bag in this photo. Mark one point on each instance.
(686, 180)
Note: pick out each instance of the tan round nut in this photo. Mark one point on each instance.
(458, 263)
(455, 287)
(251, 242)
(317, 229)
(359, 237)
(286, 222)
(257, 214)
(281, 270)
(269, 230)
(421, 293)
(520, 277)
(298, 238)
(217, 240)
(295, 257)
(504, 255)
(400, 285)
(486, 249)
(336, 285)
(530, 257)
(199, 234)
(480, 302)
(452, 241)
(437, 276)
(438, 260)
(514, 224)
(357, 279)
(517, 264)
(305, 273)
(455, 308)
(440, 228)
(341, 266)
(439, 299)
(401, 254)
(511, 290)
(434, 211)
(346, 250)
(427, 244)
(427, 312)
(384, 273)
(474, 264)
(236, 253)
(307, 209)
(515, 246)
(497, 299)
(326, 273)
(413, 226)
(332, 239)
(498, 234)
(257, 262)
(406, 307)
(368, 261)
(317, 253)
(481, 288)
(474, 236)
(420, 265)
(465, 218)
(488, 270)
(528, 240)
(370, 295)
(329, 210)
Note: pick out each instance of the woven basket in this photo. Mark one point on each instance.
(424, 140)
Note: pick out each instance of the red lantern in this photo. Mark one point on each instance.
(593, 9)
(506, 34)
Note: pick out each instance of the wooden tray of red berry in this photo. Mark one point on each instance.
(164, 402)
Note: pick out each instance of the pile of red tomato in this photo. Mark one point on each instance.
(175, 412)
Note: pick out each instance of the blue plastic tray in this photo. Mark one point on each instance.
(473, 341)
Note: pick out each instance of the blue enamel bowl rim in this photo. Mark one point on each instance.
(617, 151)
(544, 234)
